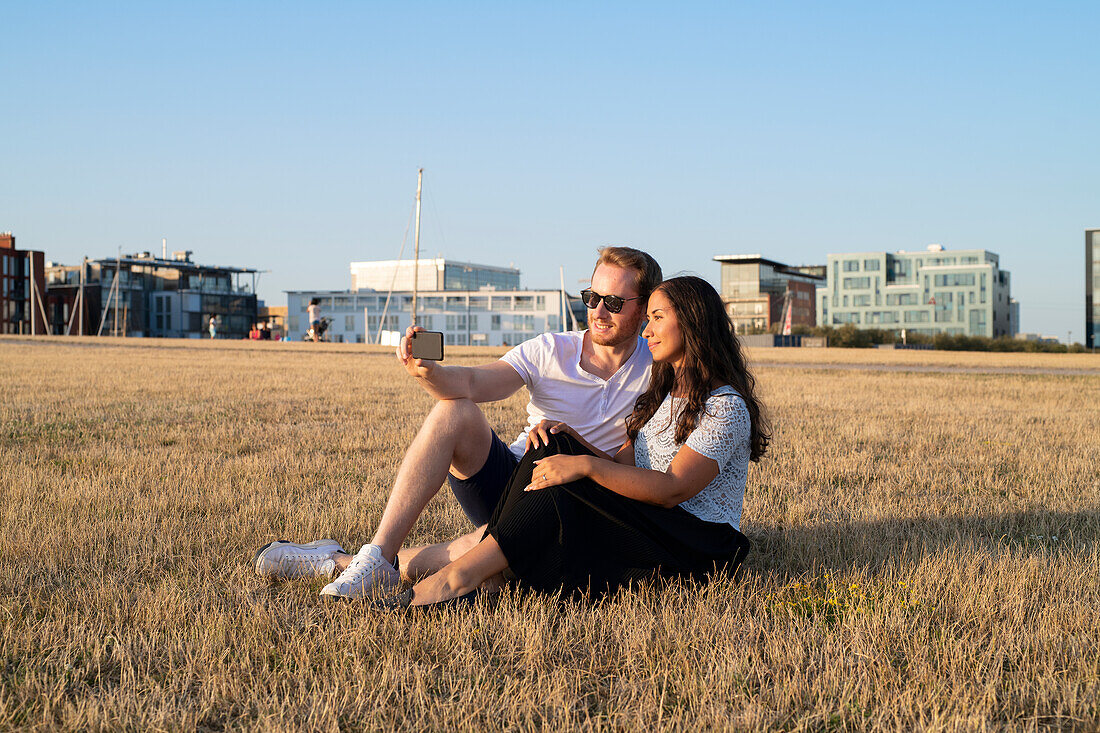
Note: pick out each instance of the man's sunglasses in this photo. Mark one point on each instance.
(613, 302)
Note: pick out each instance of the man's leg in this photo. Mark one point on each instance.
(454, 438)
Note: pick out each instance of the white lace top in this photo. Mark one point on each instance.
(722, 435)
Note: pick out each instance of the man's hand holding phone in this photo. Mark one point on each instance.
(419, 350)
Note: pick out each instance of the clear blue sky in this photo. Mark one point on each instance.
(286, 136)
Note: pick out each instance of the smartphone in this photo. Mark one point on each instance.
(427, 345)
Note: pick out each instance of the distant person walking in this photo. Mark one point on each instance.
(314, 310)
(213, 327)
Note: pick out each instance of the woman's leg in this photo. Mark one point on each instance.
(417, 563)
(463, 575)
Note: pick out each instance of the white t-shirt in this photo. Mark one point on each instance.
(550, 366)
(722, 434)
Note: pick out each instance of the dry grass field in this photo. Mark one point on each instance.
(927, 555)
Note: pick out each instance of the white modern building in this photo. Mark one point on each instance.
(473, 305)
(957, 292)
(466, 317)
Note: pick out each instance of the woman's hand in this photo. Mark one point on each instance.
(557, 470)
(541, 433)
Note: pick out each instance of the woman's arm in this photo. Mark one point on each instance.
(689, 474)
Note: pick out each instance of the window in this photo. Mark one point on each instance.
(871, 265)
(861, 300)
(977, 322)
(955, 280)
(494, 322)
(902, 269)
(349, 323)
(857, 283)
(916, 316)
(525, 303)
(373, 323)
(901, 299)
(840, 318)
(851, 265)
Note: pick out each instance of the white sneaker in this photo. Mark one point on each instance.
(286, 560)
(368, 574)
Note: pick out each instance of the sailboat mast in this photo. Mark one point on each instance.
(416, 243)
(564, 303)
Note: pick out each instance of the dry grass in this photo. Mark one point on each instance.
(926, 556)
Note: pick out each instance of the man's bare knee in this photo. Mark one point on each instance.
(455, 416)
(461, 427)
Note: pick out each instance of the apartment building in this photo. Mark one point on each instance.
(757, 291)
(22, 288)
(472, 304)
(466, 317)
(143, 295)
(957, 292)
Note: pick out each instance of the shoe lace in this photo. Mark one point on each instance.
(299, 560)
(359, 566)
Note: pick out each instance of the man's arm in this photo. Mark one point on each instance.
(486, 383)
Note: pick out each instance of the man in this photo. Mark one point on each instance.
(588, 379)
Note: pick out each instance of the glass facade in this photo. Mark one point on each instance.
(472, 277)
(740, 280)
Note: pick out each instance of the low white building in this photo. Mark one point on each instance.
(484, 317)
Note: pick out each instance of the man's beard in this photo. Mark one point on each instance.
(620, 334)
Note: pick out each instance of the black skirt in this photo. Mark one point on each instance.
(583, 537)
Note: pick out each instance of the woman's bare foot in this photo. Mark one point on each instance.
(440, 587)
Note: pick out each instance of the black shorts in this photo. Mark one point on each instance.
(478, 495)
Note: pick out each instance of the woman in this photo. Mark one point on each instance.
(668, 503)
(313, 310)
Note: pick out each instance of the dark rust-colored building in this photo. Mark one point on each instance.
(22, 288)
(757, 291)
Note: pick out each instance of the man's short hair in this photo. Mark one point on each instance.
(647, 273)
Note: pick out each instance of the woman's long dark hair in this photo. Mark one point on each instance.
(712, 355)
